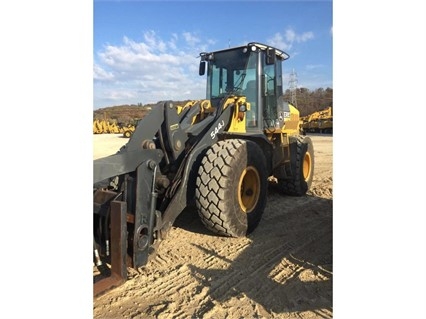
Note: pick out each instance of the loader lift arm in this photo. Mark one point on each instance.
(151, 177)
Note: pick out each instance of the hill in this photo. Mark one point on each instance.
(124, 114)
(308, 102)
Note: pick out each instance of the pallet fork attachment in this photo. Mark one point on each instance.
(118, 250)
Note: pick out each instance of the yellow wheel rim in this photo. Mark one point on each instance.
(307, 166)
(249, 189)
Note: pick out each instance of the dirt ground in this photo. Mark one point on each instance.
(282, 270)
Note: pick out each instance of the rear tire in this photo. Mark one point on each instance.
(232, 187)
(302, 164)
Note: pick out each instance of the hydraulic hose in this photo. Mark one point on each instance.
(153, 206)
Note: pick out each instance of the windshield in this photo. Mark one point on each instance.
(229, 72)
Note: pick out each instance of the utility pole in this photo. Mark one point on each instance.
(293, 87)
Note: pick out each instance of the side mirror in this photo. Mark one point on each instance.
(202, 69)
(270, 56)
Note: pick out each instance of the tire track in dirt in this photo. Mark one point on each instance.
(228, 268)
(227, 283)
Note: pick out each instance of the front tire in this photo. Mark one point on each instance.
(232, 187)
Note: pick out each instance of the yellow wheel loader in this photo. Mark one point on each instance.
(216, 155)
(128, 130)
(319, 121)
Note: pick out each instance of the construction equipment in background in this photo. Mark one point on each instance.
(130, 128)
(216, 155)
(106, 127)
(318, 122)
(99, 127)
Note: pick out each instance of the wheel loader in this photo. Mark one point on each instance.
(217, 155)
(128, 130)
(319, 121)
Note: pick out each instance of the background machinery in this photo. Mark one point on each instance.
(106, 127)
(319, 121)
(217, 155)
(130, 128)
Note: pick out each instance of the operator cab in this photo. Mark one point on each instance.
(253, 71)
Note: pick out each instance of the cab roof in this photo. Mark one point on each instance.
(279, 53)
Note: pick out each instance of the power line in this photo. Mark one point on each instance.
(293, 88)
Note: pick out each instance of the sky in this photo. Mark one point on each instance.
(147, 51)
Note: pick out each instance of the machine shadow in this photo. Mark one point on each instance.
(190, 221)
(288, 265)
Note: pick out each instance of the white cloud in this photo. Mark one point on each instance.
(149, 70)
(191, 39)
(155, 68)
(290, 35)
(314, 66)
(154, 42)
(172, 42)
(100, 74)
(121, 94)
(305, 37)
(278, 41)
(286, 40)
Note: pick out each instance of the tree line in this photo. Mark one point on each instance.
(308, 101)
